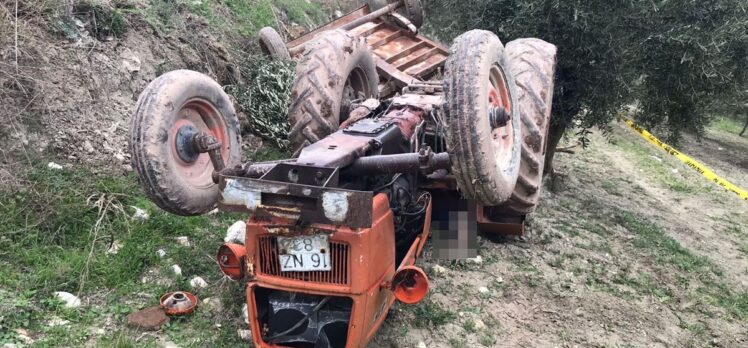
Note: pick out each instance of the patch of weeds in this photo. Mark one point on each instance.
(265, 97)
(487, 339)
(455, 342)
(269, 153)
(430, 314)
(663, 247)
(726, 124)
(610, 187)
(100, 20)
(655, 169)
(469, 326)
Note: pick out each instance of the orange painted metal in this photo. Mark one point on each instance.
(178, 311)
(358, 273)
(410, 284)
(231, 258)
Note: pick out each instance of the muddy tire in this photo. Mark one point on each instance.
(173, 106)
(414, 12)
(272, 44)
(337, 68)
(533, 64)
(485, 158)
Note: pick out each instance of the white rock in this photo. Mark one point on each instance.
(9, 345)
(119, 157)
(338, 13)
(170, 344)
(479, 324)
(675, 171)
(78, 23)
(245, 335)
(422, 344)
(23, 335)
(438, 270)
(183, 241)
(161, 253)
(176, 269)
(213, 212)
(500, 280)
(198, 283)
(140, 214)
(236, 233)
(71, 301)
(88, 147)
(476, 260)
(720, 148)
(461, 314)
(57, 322)
(54, 166)
(114, 249)
(131, 64)
(245, 313)
(483, 290)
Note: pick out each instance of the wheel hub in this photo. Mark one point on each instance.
(184, 144)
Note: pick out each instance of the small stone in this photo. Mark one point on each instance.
(140, 214)
(150, 318)
(245, 313)
(176, 269)
(57, 322)
(9, 345)
(479, 324)
(236, 232)
(183, 241)
(212, 304)
(131, 64)
(483, 290)
(656, 158)
(422, 344)
(23, 335)
(70, 300)
(476, 260)
(170, 344)
(119, 157)
(438, 270)
(114, 248)
(675, 171)
(338, 13)
(54, 166)
(88, 147)
(161, 253)
(198, 283)
(500, 280)
(720, 148)
(461, 314)
(245, 335)
(213, 212)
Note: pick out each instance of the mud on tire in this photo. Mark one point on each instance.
(533, 63)
(272, 44)
(178, 99)
(485, 159)
(336, 67)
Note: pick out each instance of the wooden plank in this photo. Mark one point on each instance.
(386, 39)
(417, 59)
(337, 23)
(408, 50)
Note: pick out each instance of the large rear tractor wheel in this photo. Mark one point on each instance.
(337, 69)
(483, 123)
(170, 111)
(533, 63)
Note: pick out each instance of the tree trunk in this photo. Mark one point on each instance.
(745, 126)
(555, 133)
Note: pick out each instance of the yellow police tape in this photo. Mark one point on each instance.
(704, 170)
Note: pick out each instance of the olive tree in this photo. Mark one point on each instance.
(672, 59)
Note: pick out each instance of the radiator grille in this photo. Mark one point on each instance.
(270, 264)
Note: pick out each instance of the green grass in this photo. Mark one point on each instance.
(726, 124)
(429, 313)
(641, 154)
(49, 241)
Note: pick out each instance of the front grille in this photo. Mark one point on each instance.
(270, 263)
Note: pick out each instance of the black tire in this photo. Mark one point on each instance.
(533, 64)
(333, 61)
(272, 44)
(485, 160)
(414, 12)
(177, 99)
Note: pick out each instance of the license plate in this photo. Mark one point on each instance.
(304, 253)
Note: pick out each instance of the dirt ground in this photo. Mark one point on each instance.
(632, 248)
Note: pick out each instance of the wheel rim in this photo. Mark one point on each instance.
(203, 116)
(502, 138)
(355, 86)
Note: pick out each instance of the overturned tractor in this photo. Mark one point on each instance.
(390, 130)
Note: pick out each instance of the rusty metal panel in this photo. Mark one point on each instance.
(302, 203)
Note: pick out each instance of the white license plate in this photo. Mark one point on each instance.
(304, 253)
